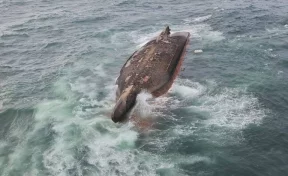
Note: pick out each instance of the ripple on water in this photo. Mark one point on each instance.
(84, 141)
(69, 131)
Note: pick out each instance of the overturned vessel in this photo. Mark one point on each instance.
(152, 68)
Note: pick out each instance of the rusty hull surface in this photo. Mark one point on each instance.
(152, 68)
(155, 65)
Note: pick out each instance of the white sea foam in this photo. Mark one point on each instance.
(227, 111)
(224, 113)
(231, 107)
(143, 108)
(187, 89)
(83, 140)
(200, 32)
(202, 18)
(197, 19)
(141, 39)
(150, 108)
(276, 31)
(194, 159)
(110, 147)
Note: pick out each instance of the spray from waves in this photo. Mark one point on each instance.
(200, 32)
(73, 135)
(278, 31)
(235, 106)
(88, 142)
(196, 119)
(149, 107)
(197, 19)
(199, 111)
(213, 113)
(142, 107)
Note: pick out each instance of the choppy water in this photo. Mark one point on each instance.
(226, 114)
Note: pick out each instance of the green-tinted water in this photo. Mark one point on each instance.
(226, 114)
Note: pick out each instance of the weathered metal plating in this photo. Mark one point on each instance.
(152, 68)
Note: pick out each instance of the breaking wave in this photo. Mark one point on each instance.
(82, 140)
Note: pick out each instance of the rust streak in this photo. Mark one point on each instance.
(171, 60)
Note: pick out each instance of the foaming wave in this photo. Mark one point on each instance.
(143, 108)
(194, 159)
(141, 39)
(72, 135)
(216, 114)
(13, 35)
(227, 107)
(200, 32)
(232, 108)
(278, 31)
(149, 107)
(105, 147)
(202, 18)
(197, 19)
(187, 89)
(80, 139)
(203, 112)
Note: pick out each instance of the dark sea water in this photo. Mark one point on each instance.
(226, 114)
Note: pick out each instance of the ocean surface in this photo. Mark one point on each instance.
(225, 115)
